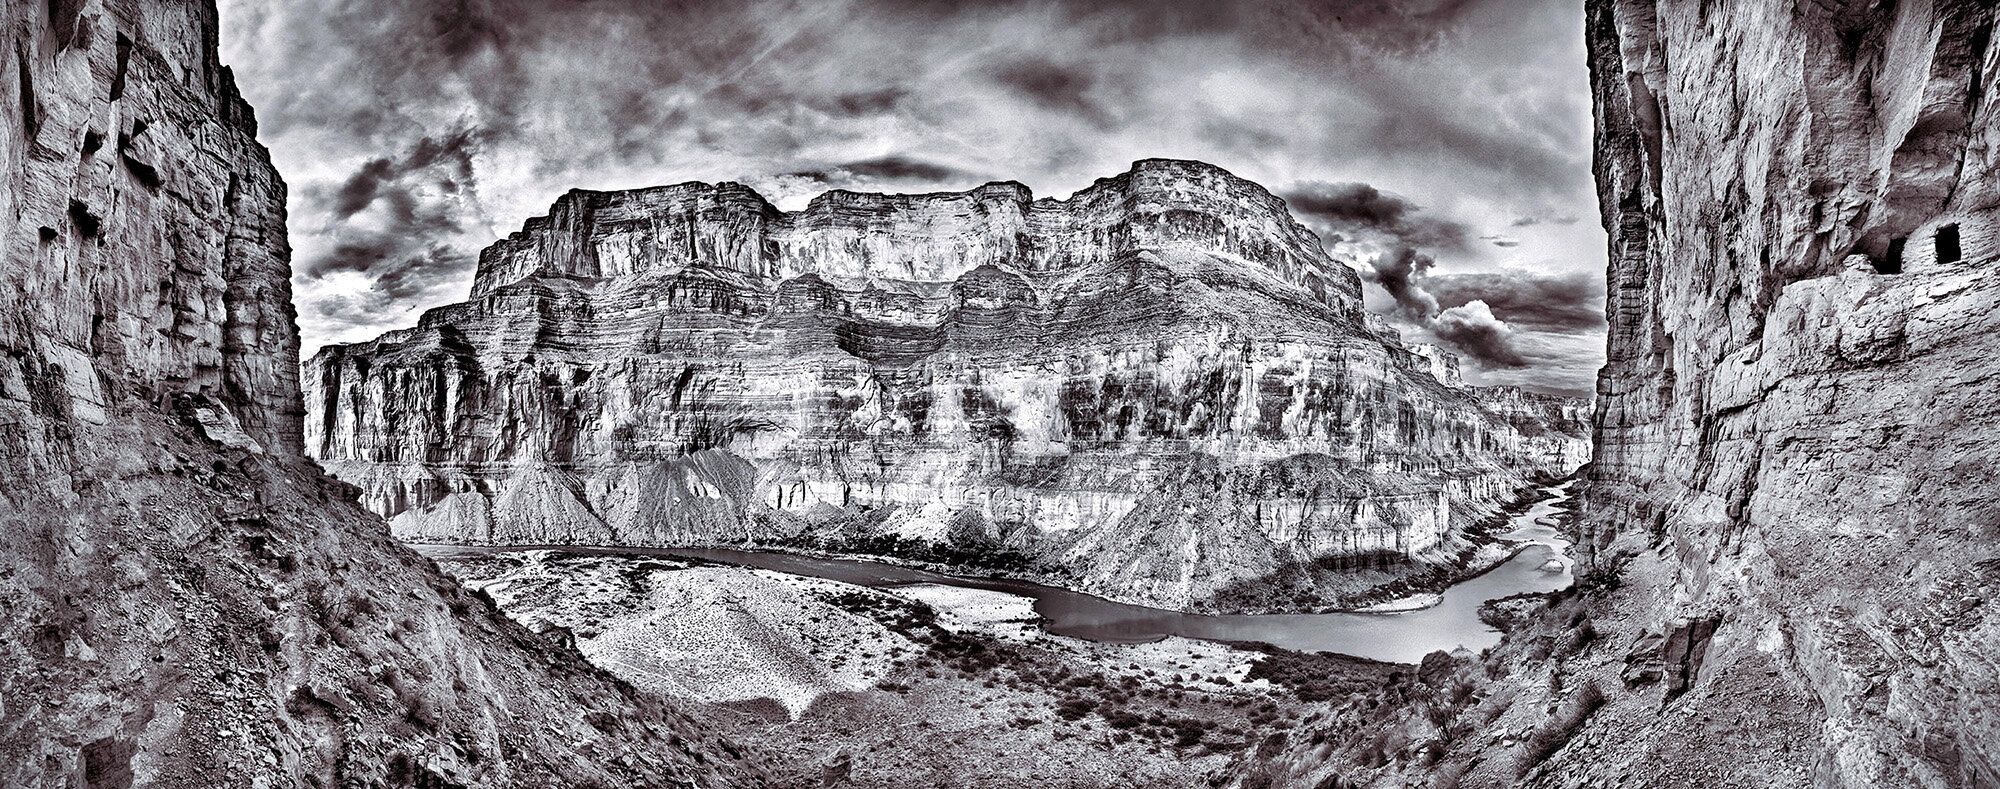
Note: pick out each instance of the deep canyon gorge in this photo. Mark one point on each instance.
(1159, 390)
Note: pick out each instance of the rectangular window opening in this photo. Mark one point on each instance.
(1947, 244)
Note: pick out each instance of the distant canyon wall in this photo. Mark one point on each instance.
(1160, 390)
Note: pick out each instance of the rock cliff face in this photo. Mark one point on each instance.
(1803, 380)
(187, 600)
(1792, 541)
(1160, 390)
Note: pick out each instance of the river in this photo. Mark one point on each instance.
(1541, 565)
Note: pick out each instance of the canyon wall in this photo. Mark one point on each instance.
(1803, 380)
(1791, 539)
(1160, 390)
(188, 601)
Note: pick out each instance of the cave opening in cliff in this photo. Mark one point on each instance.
(1947, 244)
(1891, 263)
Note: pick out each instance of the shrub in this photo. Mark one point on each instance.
(1317, 676)
(1556, 731)
(1074, 708)
(1122, 719)
(1188, 731)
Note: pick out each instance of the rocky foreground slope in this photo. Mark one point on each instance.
(1160, 390)
(184, 599)
(1793, 530)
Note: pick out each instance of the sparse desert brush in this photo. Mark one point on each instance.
(1556, 731)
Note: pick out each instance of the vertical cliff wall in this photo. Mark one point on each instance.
(1803, 380)
(187, 601)
(1791, 544)
(1160, 390)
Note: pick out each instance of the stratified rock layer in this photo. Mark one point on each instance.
(187, 601)
(1159, 390)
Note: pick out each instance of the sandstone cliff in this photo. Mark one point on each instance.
(1791, 531)
(187, 600)
(1160, 390)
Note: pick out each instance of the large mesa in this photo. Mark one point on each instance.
(1160, 390)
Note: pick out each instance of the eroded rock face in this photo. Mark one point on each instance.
(1803, 386)
(1160, 390)
(187, 600)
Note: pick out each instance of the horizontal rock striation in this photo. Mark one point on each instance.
(187, 600)
(1159, 390)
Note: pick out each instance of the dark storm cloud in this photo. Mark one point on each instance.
(361, 188)
(395, 221)
(1457, 310)
(902, 168)
(1567, 303)
(403, 270)
(460, 28)
(1307, 30)
(1474, 331)
(1347, 208)
(414, 276)
(454, 152)
(887, 172)
(1062, 89)
(1397, 273)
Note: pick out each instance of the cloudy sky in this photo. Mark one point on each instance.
(1441, 147)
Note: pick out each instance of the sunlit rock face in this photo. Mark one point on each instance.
(1803, 390)
(187, 600)
(1160, 390)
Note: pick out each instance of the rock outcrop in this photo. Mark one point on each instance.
(187, 600)
(1160, 390)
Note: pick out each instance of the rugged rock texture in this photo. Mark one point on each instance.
(1792, 522)
(187, 600)
(1160, 390)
